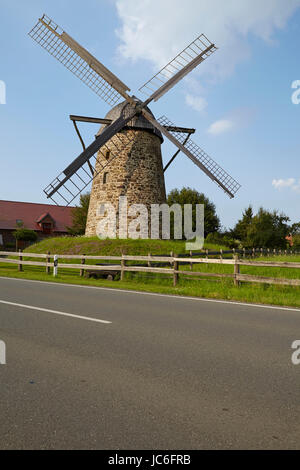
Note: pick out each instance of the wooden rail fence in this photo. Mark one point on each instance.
(171, 266)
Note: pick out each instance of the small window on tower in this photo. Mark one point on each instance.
(105, 178)
(107, 154)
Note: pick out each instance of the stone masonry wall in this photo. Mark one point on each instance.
(137, 172)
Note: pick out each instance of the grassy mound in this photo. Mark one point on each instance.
(94, 246)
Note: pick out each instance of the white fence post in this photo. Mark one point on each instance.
(55, 265)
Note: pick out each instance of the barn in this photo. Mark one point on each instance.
(45, 219)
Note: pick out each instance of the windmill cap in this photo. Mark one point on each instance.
(139, 122)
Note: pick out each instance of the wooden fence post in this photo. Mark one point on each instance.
(236, 270)
(48, 261)
(149, 262)
(191, 264)
(123, 265)
(82, 270)
(20, 259)
(175, 275)
(171, 258)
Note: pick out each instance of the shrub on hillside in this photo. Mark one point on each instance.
(217, 238)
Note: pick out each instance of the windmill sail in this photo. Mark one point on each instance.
(79, 61)
(198, 156)
(79, 174)
(178, 68)
(75, 179)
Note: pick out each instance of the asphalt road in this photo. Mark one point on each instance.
(166, 373)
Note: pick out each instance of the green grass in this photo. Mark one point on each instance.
(287, 273)
(195, 287)
(95, 246)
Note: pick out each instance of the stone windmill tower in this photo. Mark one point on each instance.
(125, 158)
(137, 173)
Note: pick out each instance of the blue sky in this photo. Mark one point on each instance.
(240, 100)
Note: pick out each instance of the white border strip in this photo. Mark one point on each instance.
(181, 297)
(30, 307)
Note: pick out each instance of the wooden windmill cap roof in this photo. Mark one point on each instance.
(138, 122)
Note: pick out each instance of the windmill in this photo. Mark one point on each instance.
(125, 157)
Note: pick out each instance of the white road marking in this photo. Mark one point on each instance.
(40, 309)
(181, 297)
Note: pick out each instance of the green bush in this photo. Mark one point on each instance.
(25, 234)
(214, 237)
(232, 243)
(223, 239)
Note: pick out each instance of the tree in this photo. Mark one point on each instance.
(191, 196)
(25, 235)
(296, 241)
(240, 230)
(295, 229)
(268, 230)
(79, 216)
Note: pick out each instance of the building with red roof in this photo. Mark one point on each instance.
(45, 219)
(290, 240)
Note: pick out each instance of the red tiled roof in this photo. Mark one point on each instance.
(30, 213)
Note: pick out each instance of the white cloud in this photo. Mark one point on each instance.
(156, 30)
(280, 184)
(237, 119)
(290, 183)
(220, 127)
(196, 102)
